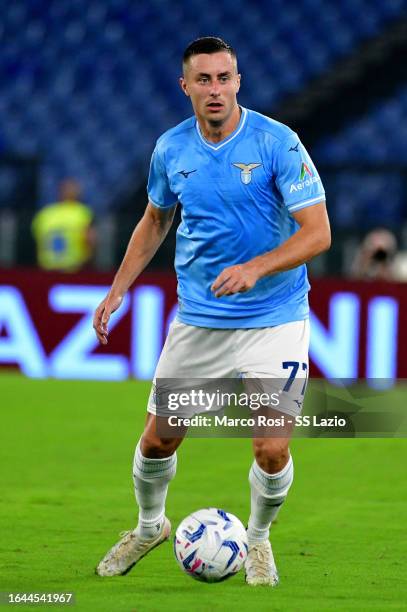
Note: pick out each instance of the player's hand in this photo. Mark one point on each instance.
(102, 316)
(235, 279)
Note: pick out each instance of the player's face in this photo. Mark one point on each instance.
(212, 83)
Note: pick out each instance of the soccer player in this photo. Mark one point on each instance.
(253, 212)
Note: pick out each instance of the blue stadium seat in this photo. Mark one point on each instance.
(378, 137)
(91, 84)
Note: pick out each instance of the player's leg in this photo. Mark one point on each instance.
(155, 457)
(154, 467)
(283, 350)
(271, 476)
(155, 462)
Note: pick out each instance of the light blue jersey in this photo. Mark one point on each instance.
(236, 200)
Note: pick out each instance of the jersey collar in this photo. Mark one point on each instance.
(236, 132)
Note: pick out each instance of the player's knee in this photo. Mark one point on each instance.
(271, 454)
(154, 447)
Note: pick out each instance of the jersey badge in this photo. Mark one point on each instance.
(246, 171)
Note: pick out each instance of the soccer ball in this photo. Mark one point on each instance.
(210, 545)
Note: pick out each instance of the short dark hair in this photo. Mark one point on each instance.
(207, 44)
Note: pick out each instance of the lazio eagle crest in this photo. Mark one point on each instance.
(246, 171)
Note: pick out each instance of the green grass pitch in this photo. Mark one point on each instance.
(66, 493)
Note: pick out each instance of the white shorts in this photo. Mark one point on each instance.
(277, 355)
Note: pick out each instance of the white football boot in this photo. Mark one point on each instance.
(129, 550)
(260, 567)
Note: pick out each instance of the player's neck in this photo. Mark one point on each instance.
(217, 131)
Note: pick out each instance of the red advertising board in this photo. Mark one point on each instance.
(358, 329)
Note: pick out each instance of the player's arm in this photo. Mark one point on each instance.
(312, 238)
(146, 238)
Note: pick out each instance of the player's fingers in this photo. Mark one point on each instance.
(98, 327)
(228, 288)
(97, 317)
(100, 332)
(218, 282)
(221, 288)
(234, 287)
(243, 287)
(102, 337)
(105, 318)
(240, 285)
(220, 292)
(221, 279)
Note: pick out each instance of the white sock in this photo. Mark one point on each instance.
(268, 492)
(151, 478)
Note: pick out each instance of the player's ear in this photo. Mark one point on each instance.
(238, 77)
(183, 85)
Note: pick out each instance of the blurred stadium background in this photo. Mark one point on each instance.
(88, 86)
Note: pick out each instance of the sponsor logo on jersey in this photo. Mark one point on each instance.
(306, 183)
(306, 179)
(304, 170)
(246, 171)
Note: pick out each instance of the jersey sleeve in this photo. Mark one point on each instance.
(296, 177)
(158, 188)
